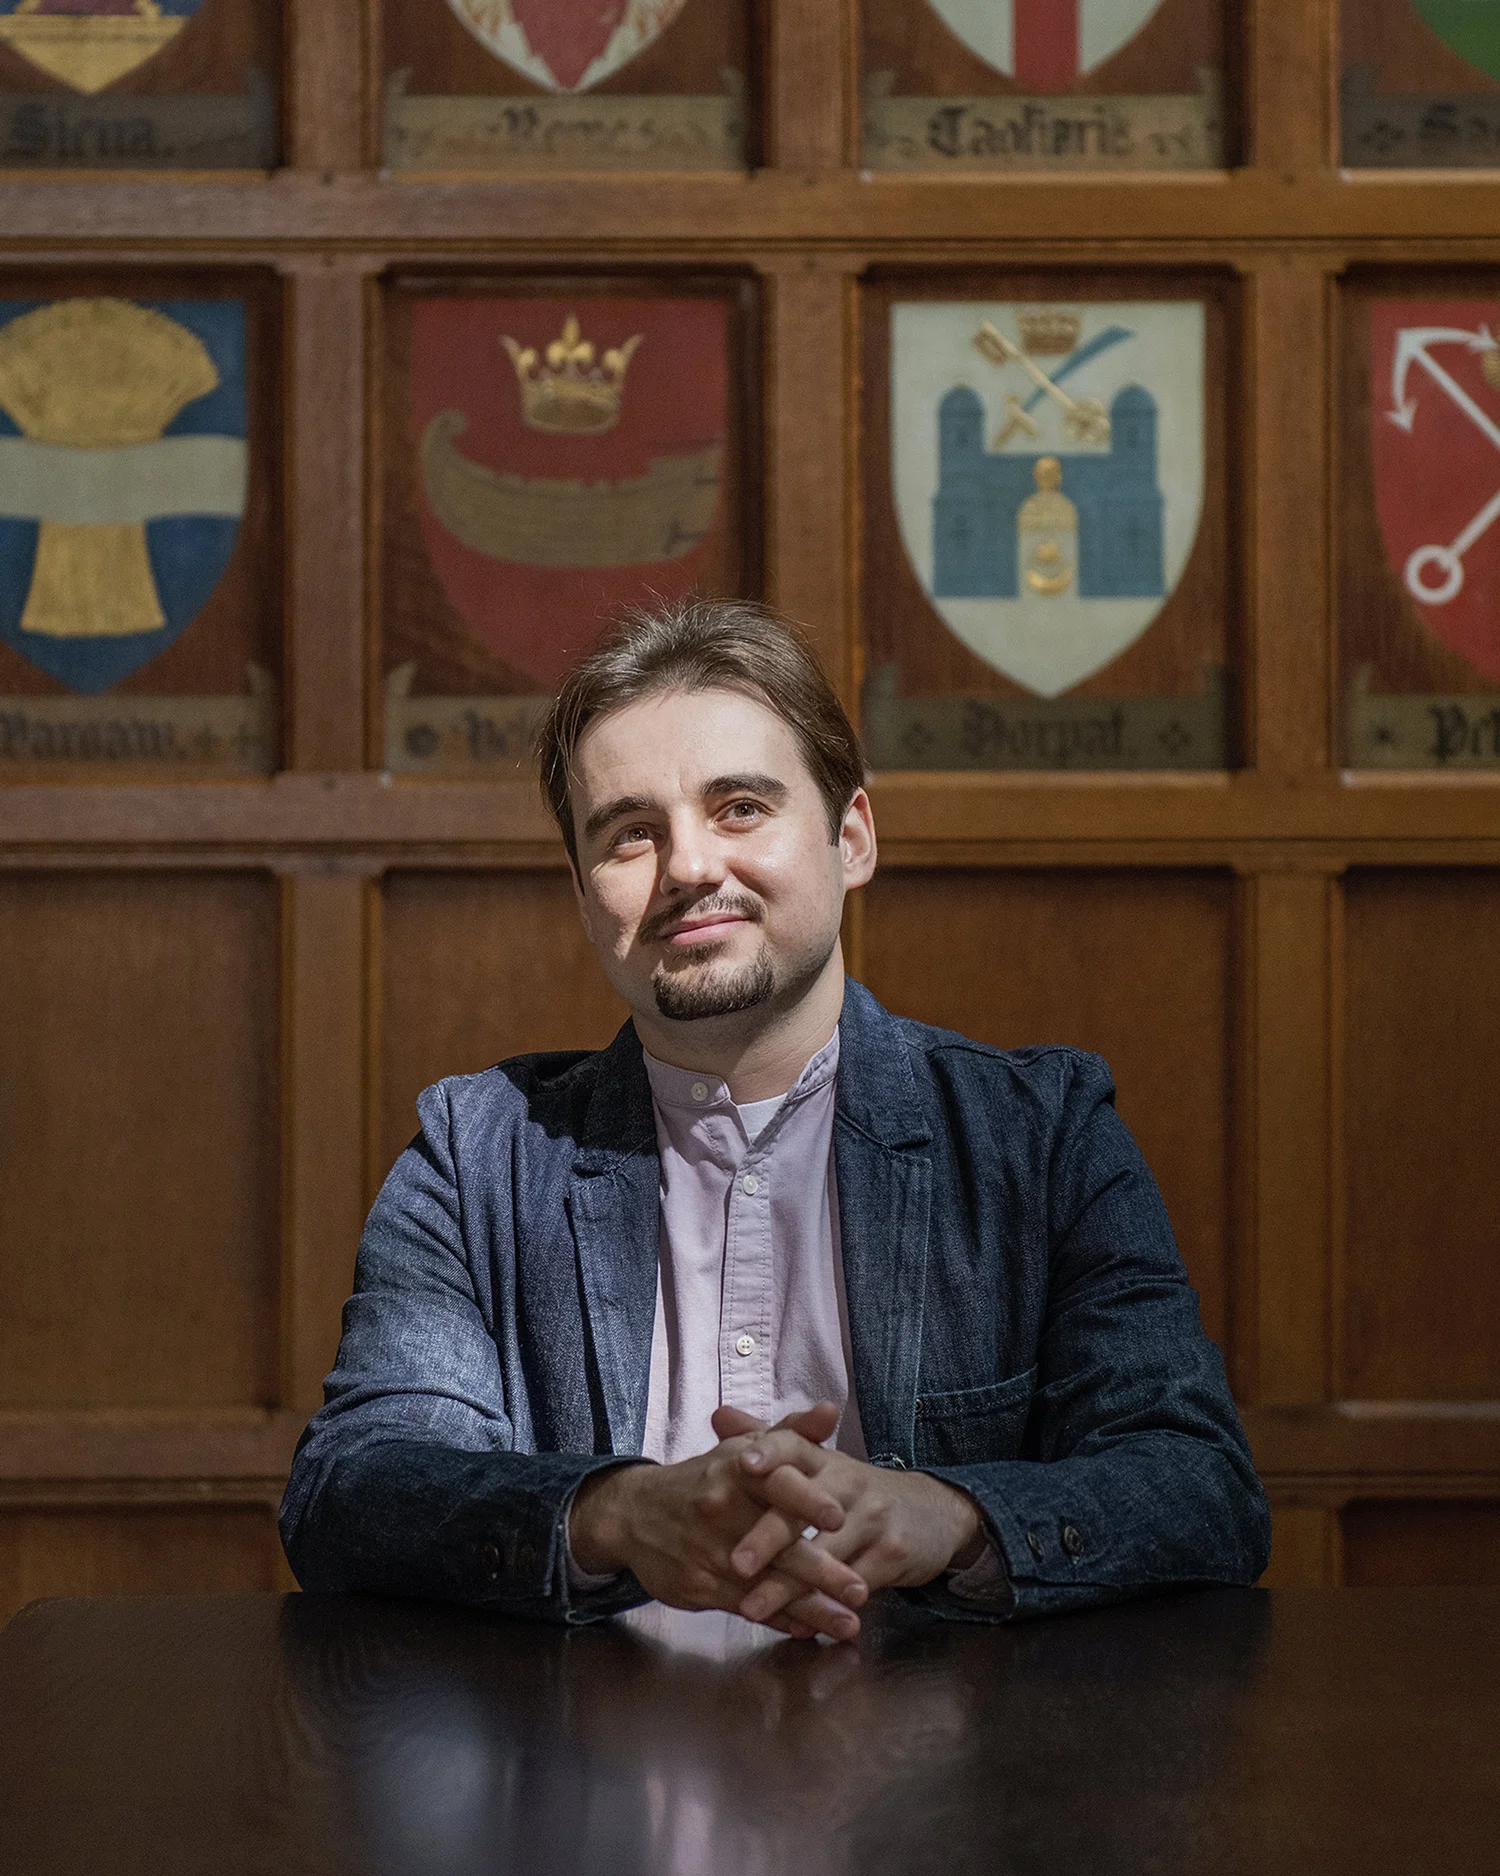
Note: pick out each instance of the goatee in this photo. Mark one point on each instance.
(693, 998)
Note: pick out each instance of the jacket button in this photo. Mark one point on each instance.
(489, 1558)
(1072, 1540)
(1034, 1545)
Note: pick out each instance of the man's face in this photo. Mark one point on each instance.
(708, 881)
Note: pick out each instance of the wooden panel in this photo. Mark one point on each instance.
(134, 1551)
(1422, 1022)
(476, 967)
(1448, 1541)
(1133, 965)
(138, 1135)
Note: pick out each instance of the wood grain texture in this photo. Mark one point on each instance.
(476, 967)
(326, 622)
(119, 1551)
(1135, 966)
(138, 1185)
(1304, 1548)
(1421, 1303)
(325, 107)
(810, 101)
(323, 1068)
(1288, 1048)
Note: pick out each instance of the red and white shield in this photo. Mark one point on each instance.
(567, 45)
(1045, 44)
(570, 461)
(1435, 417)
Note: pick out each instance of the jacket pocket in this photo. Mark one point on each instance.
(973, 1424)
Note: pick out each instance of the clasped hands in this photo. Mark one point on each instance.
(725, 1530)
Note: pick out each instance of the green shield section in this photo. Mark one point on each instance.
(1471, 27)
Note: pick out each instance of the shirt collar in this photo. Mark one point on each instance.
(699, 1093)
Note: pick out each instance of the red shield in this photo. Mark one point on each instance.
(570, 460)
(1435, 418)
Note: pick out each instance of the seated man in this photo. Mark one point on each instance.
(779, 1299)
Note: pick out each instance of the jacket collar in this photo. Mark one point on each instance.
(877, 1090)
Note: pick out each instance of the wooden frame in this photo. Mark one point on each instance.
(1289, 824)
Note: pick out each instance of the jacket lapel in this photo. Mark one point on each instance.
(614, 1201)
(884, 1175)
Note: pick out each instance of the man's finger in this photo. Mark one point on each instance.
(792, 1500)
(782, 1447)
(798, 1568)
(778, 1595)
(731, 1423)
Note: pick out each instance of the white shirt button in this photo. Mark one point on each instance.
(700, 1090)
(749, 1185)
(745, 1345)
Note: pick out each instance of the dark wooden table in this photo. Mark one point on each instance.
(1225, 1732)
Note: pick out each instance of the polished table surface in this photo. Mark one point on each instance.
(1221, 1732)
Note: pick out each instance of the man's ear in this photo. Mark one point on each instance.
(857, 849)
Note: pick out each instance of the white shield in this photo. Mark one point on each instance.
(1097, 28)
(567, 45)
(1048, 464)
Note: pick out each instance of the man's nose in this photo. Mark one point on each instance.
(691, 858)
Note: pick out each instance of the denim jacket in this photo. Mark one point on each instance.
(1020, 1322)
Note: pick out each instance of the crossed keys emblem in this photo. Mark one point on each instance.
(1435, 575)
(1084, 418)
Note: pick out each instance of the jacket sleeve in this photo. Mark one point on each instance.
(1141, 1476)
(407, 1482)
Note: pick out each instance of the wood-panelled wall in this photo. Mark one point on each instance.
(221, 998)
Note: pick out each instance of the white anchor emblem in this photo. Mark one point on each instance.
(1412, 349)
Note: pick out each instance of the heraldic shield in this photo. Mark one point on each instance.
(88, 44)
(123, 466)
(567, 45)
(571, 461)
(1435, 421)
(1045, 44)
(1469, 29)
(1048, 467)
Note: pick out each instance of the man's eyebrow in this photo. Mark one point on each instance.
(751, 784)
(612, 811)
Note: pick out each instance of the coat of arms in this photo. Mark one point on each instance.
(1469, 29)
(571, 458)
(123, 465)
(1435, 416)
(567, 45)
(1048, 465)
(88, 44)
(1044, 44)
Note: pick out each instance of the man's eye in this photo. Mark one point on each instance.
(743, 810)
(632, 836)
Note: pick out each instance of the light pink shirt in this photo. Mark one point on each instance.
(750, 1305)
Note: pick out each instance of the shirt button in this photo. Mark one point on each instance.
(745, 1345)
(700, 1090)
(749, 1185)
(1072, 1540)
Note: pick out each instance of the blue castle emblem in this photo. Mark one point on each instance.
(1047, 464)
(1117, 505)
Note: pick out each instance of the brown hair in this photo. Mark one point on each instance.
(703, 644)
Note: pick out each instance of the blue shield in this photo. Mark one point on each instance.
(123, 466)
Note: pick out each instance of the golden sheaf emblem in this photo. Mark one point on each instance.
(88, 44)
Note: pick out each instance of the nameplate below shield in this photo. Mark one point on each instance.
(56, 131)
(436, 735)
(1064, 131)
(235, 735)
(1034, 733)
(1422, 731)
(546, 132)
(1416, 130)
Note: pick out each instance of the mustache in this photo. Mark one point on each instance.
(735, 904)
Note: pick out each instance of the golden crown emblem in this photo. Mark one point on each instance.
(1049, 332)
(570, 395)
